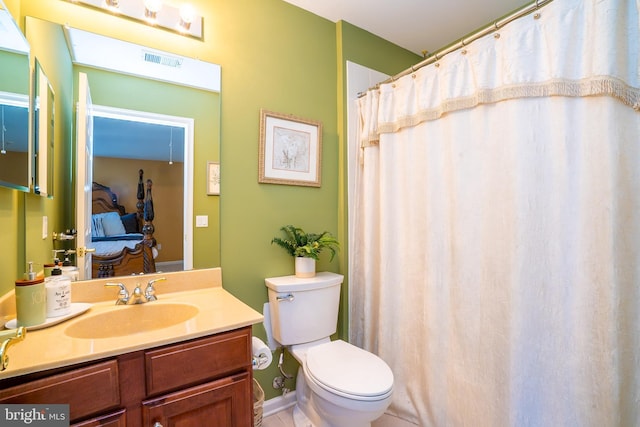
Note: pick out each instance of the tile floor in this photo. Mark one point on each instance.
(285, 419)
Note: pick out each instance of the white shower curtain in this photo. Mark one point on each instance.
(495, 241)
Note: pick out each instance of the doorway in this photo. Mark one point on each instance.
(161, 145)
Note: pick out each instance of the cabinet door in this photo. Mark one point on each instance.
(195, 362)
(89, 390)
(116, 419)
(221, 403)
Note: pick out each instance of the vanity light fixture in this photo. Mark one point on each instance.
(179, 18)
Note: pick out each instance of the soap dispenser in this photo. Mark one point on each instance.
(31, 305)
(58, 289)
(48, 268)
(68, 268)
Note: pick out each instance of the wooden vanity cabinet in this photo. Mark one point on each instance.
(205, 381)
(221, 403)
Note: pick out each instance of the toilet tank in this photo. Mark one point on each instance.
(304, 310)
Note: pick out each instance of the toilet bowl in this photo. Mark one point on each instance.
(338, 384)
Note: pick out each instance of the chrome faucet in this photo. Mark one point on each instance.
(137, 296)
(123, 295)
(150, 291)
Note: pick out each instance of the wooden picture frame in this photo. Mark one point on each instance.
(213, 178)
(290, 150)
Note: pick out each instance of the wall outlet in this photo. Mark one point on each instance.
(45, 227)
(202, 220)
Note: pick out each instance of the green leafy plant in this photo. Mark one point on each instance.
(298, 243)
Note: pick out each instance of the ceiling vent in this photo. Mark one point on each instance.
(160, 59)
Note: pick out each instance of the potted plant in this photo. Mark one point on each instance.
(306, 248)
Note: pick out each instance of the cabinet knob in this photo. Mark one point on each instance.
(157, 424)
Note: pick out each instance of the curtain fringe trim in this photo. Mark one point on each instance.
(595, 86)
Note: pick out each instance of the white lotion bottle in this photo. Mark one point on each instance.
(58, 293)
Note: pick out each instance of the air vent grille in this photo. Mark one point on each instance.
(156, 58)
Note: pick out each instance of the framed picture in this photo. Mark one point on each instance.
(290, 150)
(213, 179)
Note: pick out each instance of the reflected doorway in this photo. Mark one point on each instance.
(125, 141)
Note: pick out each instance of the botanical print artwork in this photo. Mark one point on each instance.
(291, 149)
(213, 176)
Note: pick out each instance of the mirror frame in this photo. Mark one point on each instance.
(43, 132)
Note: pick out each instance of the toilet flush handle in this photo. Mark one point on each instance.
(288, 297)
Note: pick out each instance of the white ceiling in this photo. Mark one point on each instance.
(415, 25)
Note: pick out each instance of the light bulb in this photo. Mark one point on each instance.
(112, 5)
(153, 5)
(187, 13)
(151, 9)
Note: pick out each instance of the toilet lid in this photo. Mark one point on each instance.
(347, 369)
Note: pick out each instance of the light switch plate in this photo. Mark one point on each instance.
(45, 227)
(202, 220)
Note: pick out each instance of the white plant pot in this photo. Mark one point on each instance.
(305, 267)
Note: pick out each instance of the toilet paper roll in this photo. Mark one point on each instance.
(262, 356)
(266, 312)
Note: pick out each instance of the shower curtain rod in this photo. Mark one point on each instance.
(525, 10)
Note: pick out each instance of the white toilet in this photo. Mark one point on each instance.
(338, 384)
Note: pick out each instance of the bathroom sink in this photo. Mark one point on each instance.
(131, 319)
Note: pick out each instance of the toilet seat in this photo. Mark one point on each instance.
(348, 371)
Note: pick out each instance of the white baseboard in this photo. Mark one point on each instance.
(279, 403)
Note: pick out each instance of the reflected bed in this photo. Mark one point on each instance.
(123, 241)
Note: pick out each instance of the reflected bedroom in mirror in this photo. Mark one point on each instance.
(123, 232)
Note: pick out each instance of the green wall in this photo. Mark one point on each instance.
(14, 73)
(11, 238)
(277, 57)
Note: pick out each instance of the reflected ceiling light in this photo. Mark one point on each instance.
(112, 5)
(187, 15)
(151, 9)
(180, 19)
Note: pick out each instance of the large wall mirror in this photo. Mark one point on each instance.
(15, 154)
(152, 111)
